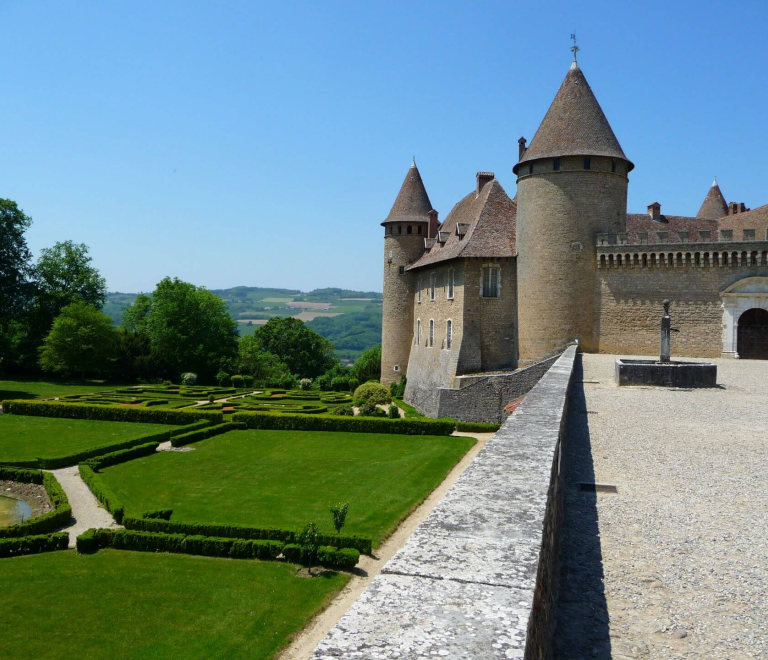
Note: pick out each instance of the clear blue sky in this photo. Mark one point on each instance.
(261, 144)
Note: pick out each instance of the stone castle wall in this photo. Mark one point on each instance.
(630, 299)
(559, 214)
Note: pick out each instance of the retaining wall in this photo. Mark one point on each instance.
(477, 579)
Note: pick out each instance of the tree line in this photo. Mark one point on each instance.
(51, 321)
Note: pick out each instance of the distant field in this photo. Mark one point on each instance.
(284, 479)
(142, 605)
(276, 300)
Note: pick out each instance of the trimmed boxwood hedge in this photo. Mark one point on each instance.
(102, 492)
(477, 427)
(32, 545)
(202, 434)
(209, 546)
(359, 543)
(110, 413)
(162, 514)
(188, 428)
(59, 517)
(286, 422)
(117, 457)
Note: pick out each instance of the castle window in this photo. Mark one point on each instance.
(448, 334)
(613, 166)
(402, 270)
(726, 235)
(643, 237)
(556, 165)
(410, 229)
(662, 236)
(704, 235)
(396, 367)
(749, 234)
(490, 282)
(399, 229)
(684, 236)
(432, 278)
(431, 333)
(451, 283)
(418, 290)
(418, 332)
(530, 169)
(587, 163)
(419, 228)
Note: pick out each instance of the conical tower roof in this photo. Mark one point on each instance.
(574, 125)
(714, 205)
(412, 203)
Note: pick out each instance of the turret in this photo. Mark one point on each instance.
(714, 205)
(405, 229)
(571, 186)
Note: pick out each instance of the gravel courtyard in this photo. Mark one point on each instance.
(675, 565)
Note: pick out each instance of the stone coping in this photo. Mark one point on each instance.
(463, 586)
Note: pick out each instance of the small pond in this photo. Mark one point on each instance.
(13, 511)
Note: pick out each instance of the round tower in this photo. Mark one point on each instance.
(405, 229)
(571, 186)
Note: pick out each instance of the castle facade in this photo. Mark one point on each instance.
(503, 282)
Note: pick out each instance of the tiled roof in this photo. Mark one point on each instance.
(412, 203)
(643, 223)
(714, 205)
(574, 125)
(490, 228)
(755, 219)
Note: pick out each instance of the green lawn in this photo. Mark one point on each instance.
(121, 605)
(24, 438)
(43, 389)
(285, 479)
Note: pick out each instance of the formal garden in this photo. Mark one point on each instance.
(239, 512)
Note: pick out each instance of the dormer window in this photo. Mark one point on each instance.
(704, 235)
(749, 234)
(556, 165)
(587, 163)
(684, 236)
(726, 235)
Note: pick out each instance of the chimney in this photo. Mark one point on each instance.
(521, 145)
(482, 179)
(654, 211)
(736, 207)
(433, 224)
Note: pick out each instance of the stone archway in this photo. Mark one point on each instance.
(742, 296)
(752, 335)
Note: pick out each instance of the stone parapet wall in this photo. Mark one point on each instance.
(484, 400)
(478, 578)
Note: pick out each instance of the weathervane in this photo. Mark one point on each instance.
(574, 49)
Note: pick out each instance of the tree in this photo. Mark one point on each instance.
(368, 365)
(82, 340)
(266, 368)
(136, 315)
(306, 353)
(65, 275)
(309, 540)
(339, 514)
(190, 329)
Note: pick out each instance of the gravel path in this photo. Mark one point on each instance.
(675, 565)
(86, 510)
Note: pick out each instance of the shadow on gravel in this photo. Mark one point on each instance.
(582, 627)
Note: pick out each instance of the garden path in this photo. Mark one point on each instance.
(86, 510)
(307, 640)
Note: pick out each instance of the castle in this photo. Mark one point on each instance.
(506, 282)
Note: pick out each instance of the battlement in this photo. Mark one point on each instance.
(614, 254)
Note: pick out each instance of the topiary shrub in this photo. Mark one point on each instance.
(188, 378)
(371, 410)
(353, 384)
(305, 384)
(339, 384)
(211, 398)
(393, 412)
(247, 380)
(223, 378)
(167, 383)
(237, 381)
(372, 392)
(345, 411)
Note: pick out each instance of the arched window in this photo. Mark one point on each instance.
(418, 289)
(432, 278)
(418, 332)
(431, 338)
(448, 334)
(451, 283)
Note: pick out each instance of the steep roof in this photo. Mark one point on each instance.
(642, 223)
(412, 203)
(488, 228)
(574, 125)
(714, 205)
